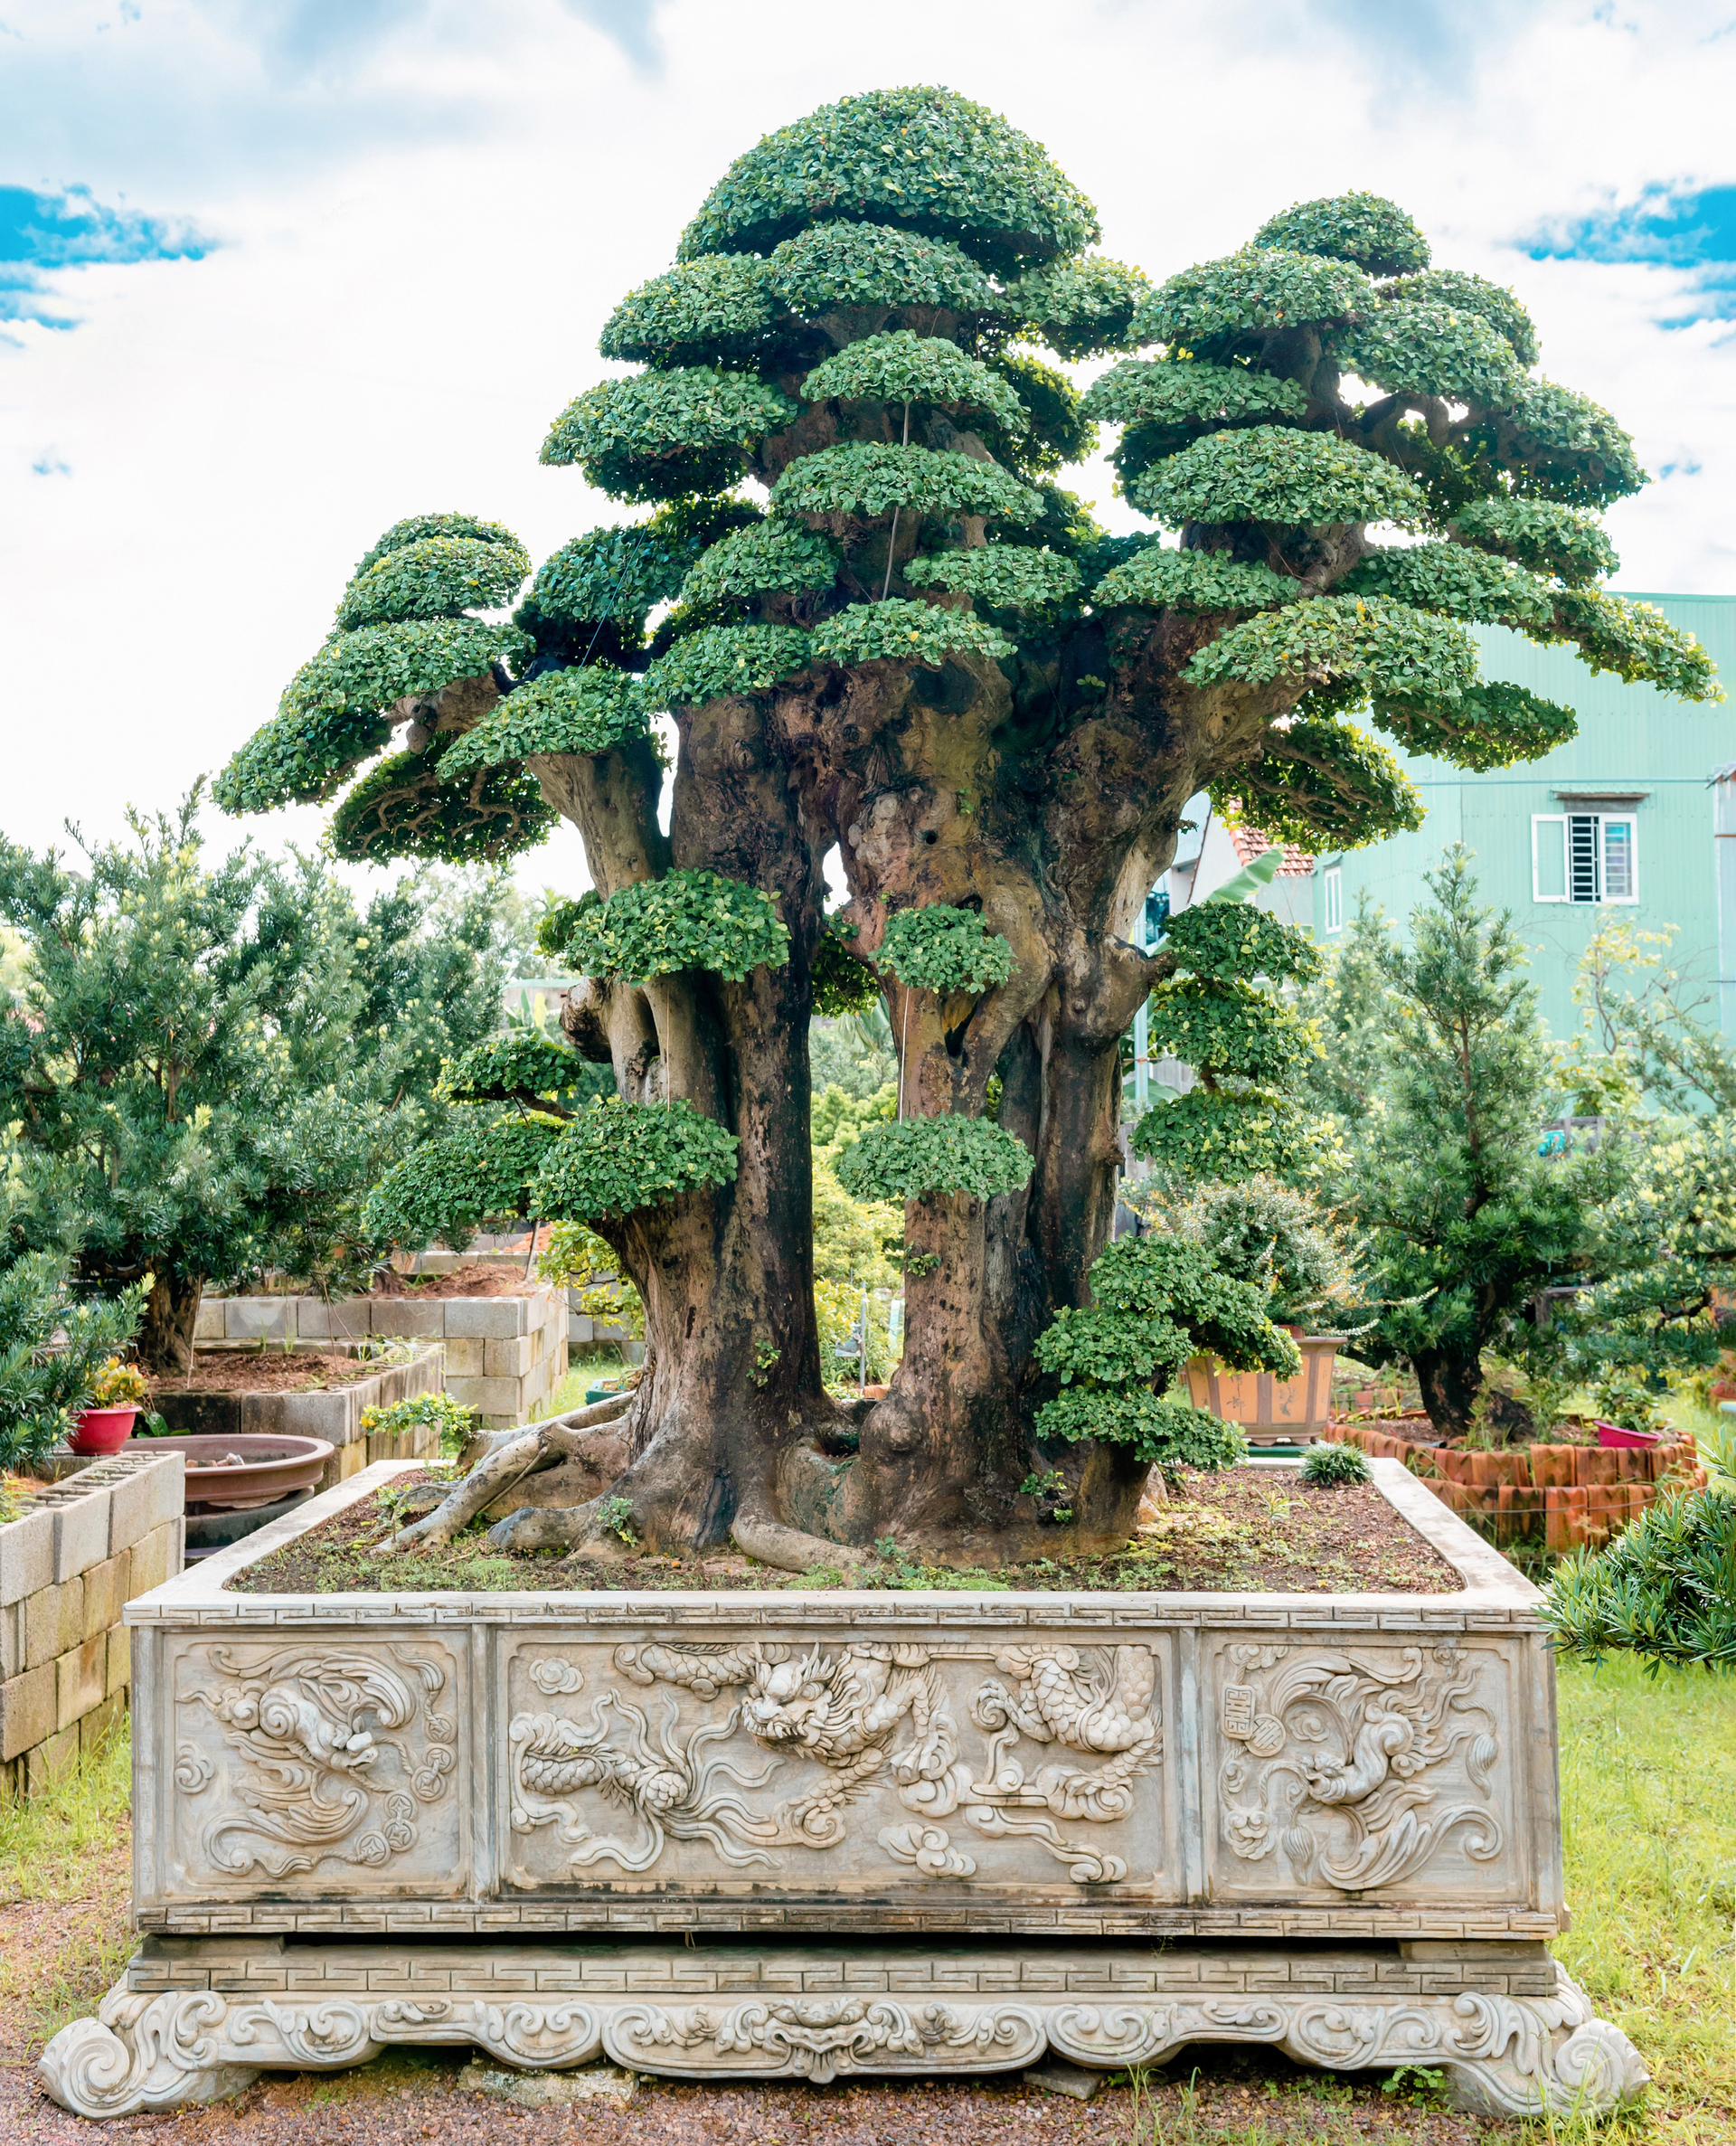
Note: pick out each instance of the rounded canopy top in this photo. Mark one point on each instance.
(923, 157)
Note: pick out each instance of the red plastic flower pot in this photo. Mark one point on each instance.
(103, 1430)
(1623, 1441)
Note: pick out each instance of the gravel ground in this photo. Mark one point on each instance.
(1237, 2101)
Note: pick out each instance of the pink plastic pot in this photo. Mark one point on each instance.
(1626, 1441)
(103, 1430)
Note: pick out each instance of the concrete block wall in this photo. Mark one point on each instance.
(503, 1354)
(335, 1414)
(81, 1548)
(582, 1330)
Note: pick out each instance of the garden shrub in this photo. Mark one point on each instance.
(456, 1422)
(54, 1346)
(1665, 1589)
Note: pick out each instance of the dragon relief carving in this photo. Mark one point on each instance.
(310, 1731)
(875, 1714)
(1328, 1756)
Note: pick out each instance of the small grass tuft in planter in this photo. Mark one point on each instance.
(1330, 1466)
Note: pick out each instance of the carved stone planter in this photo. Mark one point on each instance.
(375, 1818)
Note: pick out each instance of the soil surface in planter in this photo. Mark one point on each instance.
(481, 1278)
(272, 1370)
(1241, 1532)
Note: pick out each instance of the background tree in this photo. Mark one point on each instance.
(1346, 1007)
(207, 1068)
(912, 645)
(1644, 1035)
(1467, 1220)
(54, 1341)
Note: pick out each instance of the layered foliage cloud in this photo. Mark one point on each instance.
(843, 449)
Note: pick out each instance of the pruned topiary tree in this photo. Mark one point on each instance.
(879, 624)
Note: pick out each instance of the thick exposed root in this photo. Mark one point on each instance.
(593, 1530)
(585, 1528)
(576, 1419)
(789, 1549)
(509, 1458)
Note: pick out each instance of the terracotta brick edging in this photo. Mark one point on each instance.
(82, 1548)
(1563, 1494)
(503, 1354)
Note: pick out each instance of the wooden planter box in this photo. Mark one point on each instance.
(1270, 1411)
(777, 1834)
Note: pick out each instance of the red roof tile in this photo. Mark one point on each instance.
(1250, 844)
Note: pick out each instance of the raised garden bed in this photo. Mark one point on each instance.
(243, 1390)
(71, 1552)
(506, 1338)
(1555, 1497)
(260, 1367)
(473, 1278)
(735, 1832)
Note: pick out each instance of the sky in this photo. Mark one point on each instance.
(277, 273)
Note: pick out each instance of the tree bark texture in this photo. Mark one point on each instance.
(1045, 793)
(171, 1316)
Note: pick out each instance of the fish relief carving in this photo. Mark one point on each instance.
(874, 1713)
(1329, 1757)
(309, 1732)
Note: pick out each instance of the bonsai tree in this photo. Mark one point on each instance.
(1261, 1229)
(484, 1165)
(1212, 1006)
(1155, 1303)
(893, 633)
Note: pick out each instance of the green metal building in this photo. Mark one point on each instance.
(1624, 820)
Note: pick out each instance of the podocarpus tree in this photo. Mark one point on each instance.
(902, 638)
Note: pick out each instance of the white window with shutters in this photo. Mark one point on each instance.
(1584, 856)
(1332, 890)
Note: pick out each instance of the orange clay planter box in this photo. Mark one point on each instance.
(1270, 1411)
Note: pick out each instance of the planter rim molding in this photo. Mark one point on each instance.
(1492, 1586)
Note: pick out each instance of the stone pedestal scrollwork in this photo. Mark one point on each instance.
(818, 2015)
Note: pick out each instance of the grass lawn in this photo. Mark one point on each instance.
(1648, 1778)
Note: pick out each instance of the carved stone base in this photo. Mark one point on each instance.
(197, 2018)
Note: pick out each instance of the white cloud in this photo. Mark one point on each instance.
(426, 219)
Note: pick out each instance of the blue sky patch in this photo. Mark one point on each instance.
(1695, 231)
(40, 233)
